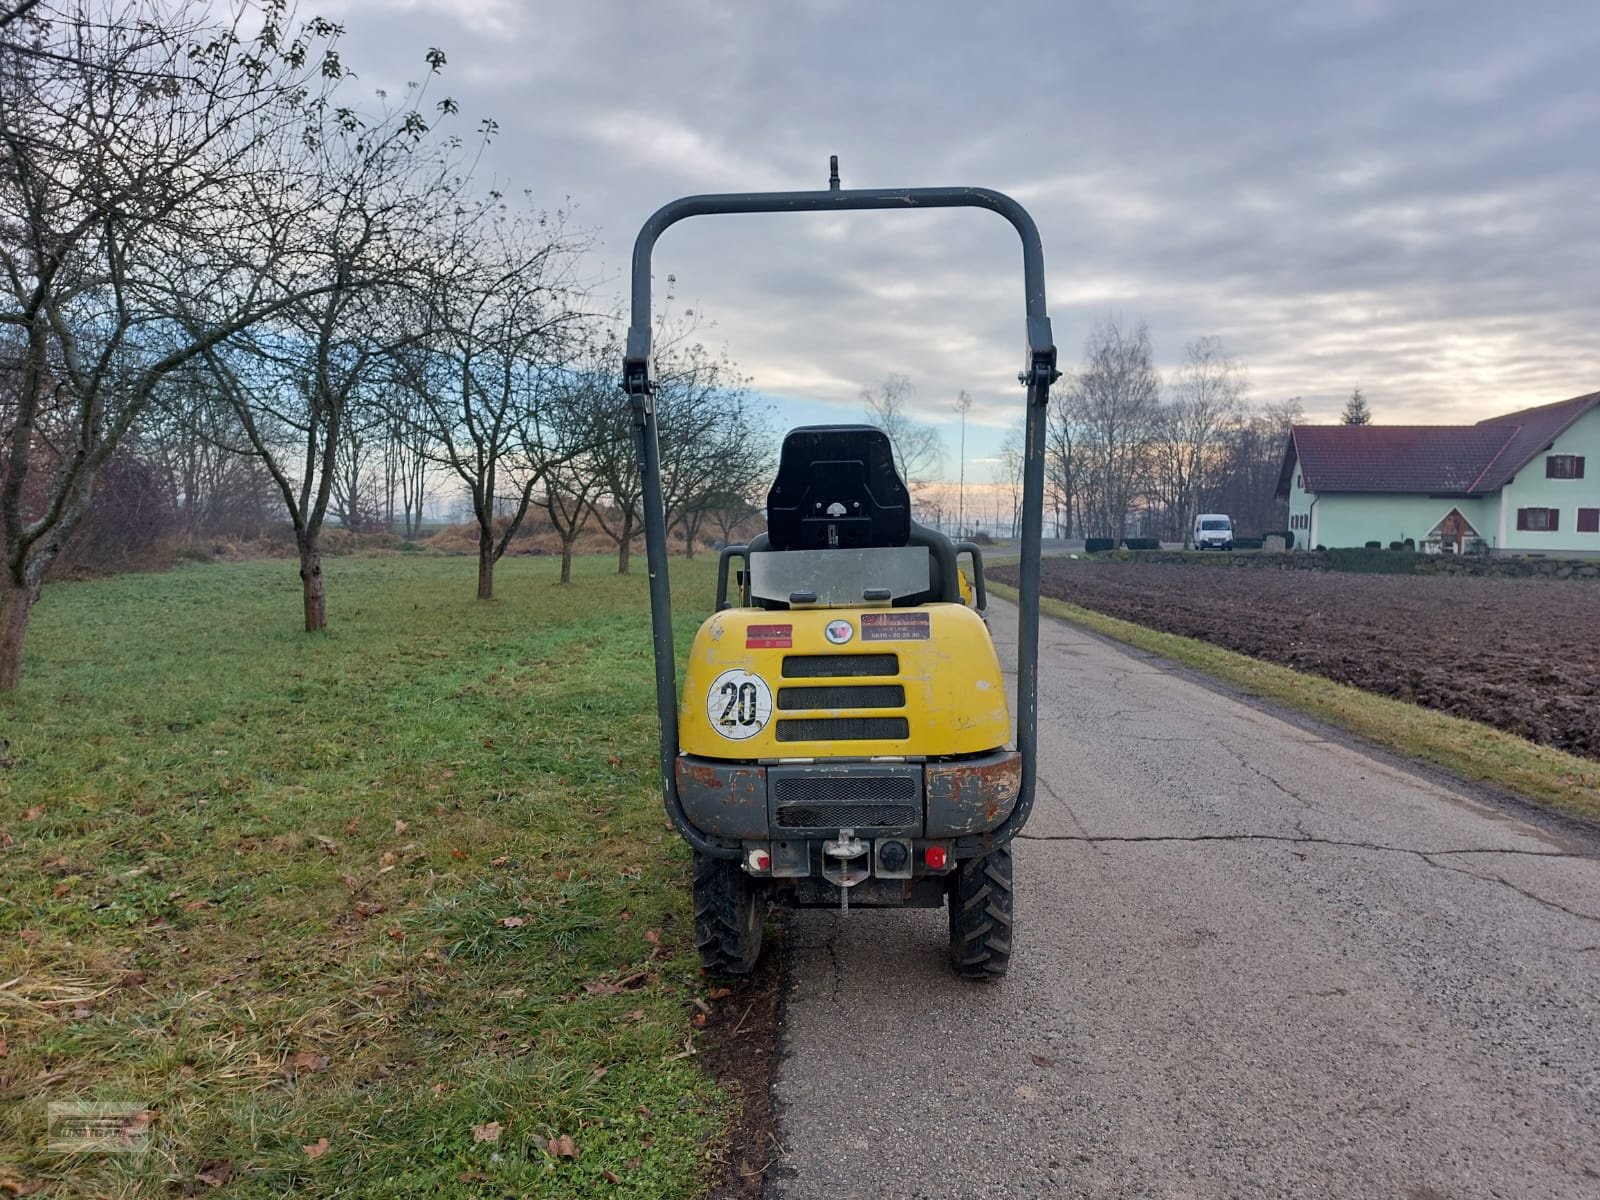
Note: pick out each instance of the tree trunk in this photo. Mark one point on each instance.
(316, 596)
(16, 605)
(624, 546)
(485, 563)
(566, 560)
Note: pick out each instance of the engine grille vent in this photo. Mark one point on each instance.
(878, 695)
(839, 666)
(842, 789)
(847, 816)
(843, 729)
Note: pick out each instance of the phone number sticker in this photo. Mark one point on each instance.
(739, 704)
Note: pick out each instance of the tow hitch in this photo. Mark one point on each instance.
(843, 863)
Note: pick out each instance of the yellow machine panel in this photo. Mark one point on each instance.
(843, 683)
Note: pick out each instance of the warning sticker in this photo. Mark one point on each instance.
(769, 637)
(894, 627)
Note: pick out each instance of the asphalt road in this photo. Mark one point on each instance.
(1251, 960)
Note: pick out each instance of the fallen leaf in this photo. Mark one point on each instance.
(700, 1020)
(611, 1177)
(327, 843)
(82, 1012)
(457, 853)
(486, 1133)
(501, 861)
(370, 908)
(134, 979)
(651, 936)
(614, 760)
(633, 1014)
(513, 922)
(317, 1148)
(308, 1060)
(61, 889)
(387, 859)
(719, 993)
(396, 934)
(351, 827)
(563, 1146)
(138, 1123)
(400, 826)
(598, 1074)
(4, 1046)
(22, 1187)
(599, 987)
(440, 1088)
(381, 989)
(215, 1173)
(1040, 1060)
(34, 813)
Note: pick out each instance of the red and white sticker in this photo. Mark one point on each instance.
(839, 632)
(895, 627)
(769, 637)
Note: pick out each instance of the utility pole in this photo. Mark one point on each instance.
(963, 404)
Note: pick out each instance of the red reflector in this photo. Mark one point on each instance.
(769, 637)
(763, 860)
(934, 856)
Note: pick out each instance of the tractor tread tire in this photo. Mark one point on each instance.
(981, 915)
(729, 910)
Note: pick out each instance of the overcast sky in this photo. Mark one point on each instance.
(1400, 196)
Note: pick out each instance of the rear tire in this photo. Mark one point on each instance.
(729, 909)
(980, 915)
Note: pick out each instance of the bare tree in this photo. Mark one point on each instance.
(359, 204)
(499, 305)
(1114, 399)
(918, 449)
(708, 434)
(127, 139)
(1207, 397)
(1008, 476)
(581, 421)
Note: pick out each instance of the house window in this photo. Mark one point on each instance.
(1563, 466)
(1546, 520)
(1298, 484)
(1589, 520)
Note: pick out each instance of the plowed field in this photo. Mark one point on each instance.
(1520, 654)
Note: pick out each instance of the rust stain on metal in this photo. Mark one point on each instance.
(701, 775)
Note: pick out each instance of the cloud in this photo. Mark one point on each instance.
(1395, 194)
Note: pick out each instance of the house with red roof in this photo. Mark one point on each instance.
(1517, 484)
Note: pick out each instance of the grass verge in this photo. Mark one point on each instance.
(384, 912)
(1465, 748)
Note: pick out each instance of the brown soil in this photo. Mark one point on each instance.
(1520, 654)
(739, 1048)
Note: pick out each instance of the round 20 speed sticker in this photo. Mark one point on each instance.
(739, 704)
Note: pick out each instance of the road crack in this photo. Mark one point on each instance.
(1301, 839)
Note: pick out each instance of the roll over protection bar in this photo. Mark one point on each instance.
(1037, 374)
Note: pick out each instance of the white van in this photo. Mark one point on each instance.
(1213, 531)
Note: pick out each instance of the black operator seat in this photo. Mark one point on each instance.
(837, 488)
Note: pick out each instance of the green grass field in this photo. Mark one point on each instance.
(405, 887)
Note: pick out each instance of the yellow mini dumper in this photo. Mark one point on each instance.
(843, 736)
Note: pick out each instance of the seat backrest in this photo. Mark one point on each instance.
(837, 488)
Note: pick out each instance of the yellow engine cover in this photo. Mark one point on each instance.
(843, 683)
